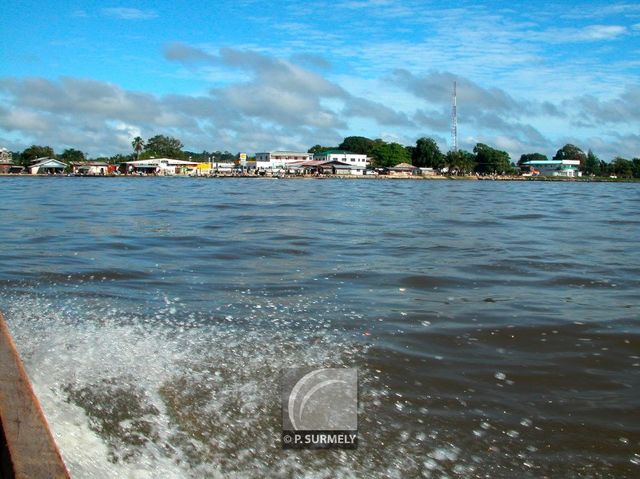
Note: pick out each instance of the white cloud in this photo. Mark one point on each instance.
(569, 35)
(383, 8)
(597, 32)
(270, 102)
(129, 13)
(594, 11)
(20, 119)
(277, 105)
(623, 109)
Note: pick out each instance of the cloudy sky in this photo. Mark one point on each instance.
(251, 76)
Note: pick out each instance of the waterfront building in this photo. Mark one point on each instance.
(90, 168)
(566, 168)
(47, 166)
(323, 167)
(404, 169)
(6, 163)
(225, 167)
(347, 157)
(5, 160)
(10, 168)
(5, 156)
(428, 171)
(279, 159)
(159, 166)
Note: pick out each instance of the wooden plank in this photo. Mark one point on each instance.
(28, 442)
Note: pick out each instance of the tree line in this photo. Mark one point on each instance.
(483, 159)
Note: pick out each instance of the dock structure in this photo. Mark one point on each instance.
(27, 447)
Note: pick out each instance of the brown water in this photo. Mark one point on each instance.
(494, 325)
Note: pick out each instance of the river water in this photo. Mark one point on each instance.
(494, 325)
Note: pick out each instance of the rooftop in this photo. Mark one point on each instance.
(52, 162)
(552, 162)
(335, 152)
(157, 161)
(403, 166)
(284, 152)
(311, 163)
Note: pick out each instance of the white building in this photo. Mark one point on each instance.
(326, 168)
(161, 166)
(279, 159)
(566, 168)
(347, 157)
(90, 168)
(5, 156)
(6, 163)
(44, 166)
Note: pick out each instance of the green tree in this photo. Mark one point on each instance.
(71, 155)
(34, 152)
(604, 168)
(592, 164)
(571, 152)
(119, 158)
(622, 168)
(491, 161)
(224, 156)
(319, 149)
(427, 154)
(161, 146)
(459, 162)
(636, 167)
(202, 157)
(358, 144)
(16, 157)
(390, 154)
(138, 145)
(531, 157)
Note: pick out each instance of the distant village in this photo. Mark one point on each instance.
(354, 157)
(274, 163)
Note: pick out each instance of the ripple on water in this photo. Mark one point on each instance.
(492, 340)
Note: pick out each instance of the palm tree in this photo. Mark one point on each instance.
(138, 145)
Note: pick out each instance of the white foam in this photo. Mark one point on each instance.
(83, 359)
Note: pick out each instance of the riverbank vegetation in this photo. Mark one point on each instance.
(482, 160)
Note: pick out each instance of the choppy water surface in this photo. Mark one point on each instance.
(494, 325)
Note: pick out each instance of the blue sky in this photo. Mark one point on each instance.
(254, 76)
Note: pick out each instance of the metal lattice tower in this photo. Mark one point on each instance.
(454, 119)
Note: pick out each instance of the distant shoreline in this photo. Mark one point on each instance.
(354, 177)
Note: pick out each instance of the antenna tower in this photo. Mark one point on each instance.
(454, 119)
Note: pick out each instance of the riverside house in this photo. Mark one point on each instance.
(566, 168)
(47, 166)
(6, 160)
(322, 167)
(274, 160)
(159, 166)
(403, 169)
(345, 157)
(90, 168)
